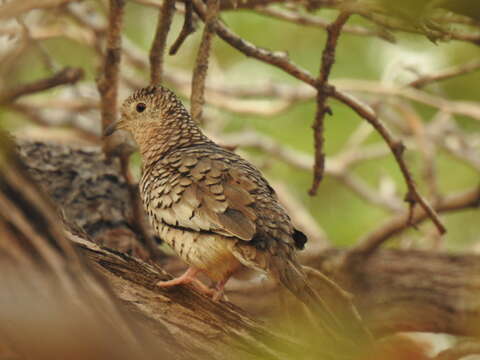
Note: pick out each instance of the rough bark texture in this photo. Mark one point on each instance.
(87, 188)
(412, 290)
(185, 320)
(394, 289)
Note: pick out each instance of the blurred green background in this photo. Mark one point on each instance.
(344, 216)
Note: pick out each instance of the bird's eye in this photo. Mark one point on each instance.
(140, 107)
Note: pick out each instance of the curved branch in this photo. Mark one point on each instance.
(62, 77)
(466, 200)
(274, 58)
(187, 28)
(397, 148)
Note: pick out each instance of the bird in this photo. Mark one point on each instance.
(214, 208)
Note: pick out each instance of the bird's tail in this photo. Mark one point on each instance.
(282, 266)
(346, 330)
(291, 275)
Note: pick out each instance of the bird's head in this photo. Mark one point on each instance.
(147, 108)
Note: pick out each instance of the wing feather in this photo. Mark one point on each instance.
(213, 198)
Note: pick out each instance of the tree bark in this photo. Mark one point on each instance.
(413, 290)
(188, 323)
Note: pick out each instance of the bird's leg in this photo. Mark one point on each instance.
(188, 277)
(218, 292)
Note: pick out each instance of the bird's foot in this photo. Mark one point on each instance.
(217, 295)
(218, 292)
(189, 277)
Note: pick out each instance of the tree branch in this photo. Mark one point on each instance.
(62, 77)
(445, 74)
(328, 58)
(315, 21)
(397, 148)
(187, 28)
(196, 327)
(466, 108)
(159, 44)
(468, 199)
(13, 9)
(197, 99)
(274, 58)
(107, 82)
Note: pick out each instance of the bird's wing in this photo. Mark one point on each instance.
(210, 195)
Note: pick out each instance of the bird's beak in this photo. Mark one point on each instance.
(117, 125)
(110, 129)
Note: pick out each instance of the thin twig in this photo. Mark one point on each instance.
(465, 200)
(328, 58)
(315, 21)
(456, 143)
(12, 9)
(337, 166)
(34, 114)
(187, 28)
(65, 76)
(246, 106)
(445, 74)
(466, 108)
(159, 44)
(400, 24)
(371, 195)
(278, 59)
(49, 63)
(108, 81)
(225, 4)
(426, 147)
(201, 66)
(84, 17)
(397, 148)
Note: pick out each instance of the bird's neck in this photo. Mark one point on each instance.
(155, 140)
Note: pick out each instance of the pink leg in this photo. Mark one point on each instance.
(188, 277)
(218, 293)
